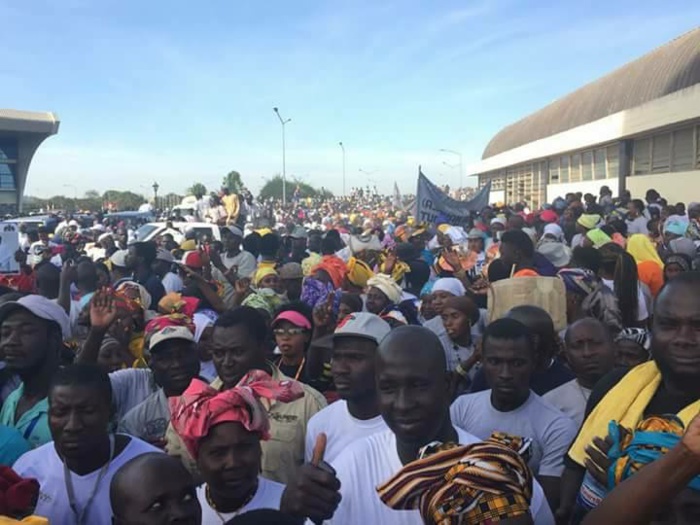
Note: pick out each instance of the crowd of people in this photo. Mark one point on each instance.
(342, 363)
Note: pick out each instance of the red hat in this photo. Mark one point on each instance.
(549, 216)
(193, 259)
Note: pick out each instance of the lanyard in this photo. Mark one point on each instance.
(80, 516)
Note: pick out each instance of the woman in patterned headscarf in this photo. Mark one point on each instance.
(675, 264)
(222, 430)
(633, 347)
(586, 296)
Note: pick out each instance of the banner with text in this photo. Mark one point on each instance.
(433, 204)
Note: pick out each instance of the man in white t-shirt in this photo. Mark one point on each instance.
(75, 469)
(414, 396)
(591, 354)
(508, 361)
(162, 267)
(356, 415)
(153, 489)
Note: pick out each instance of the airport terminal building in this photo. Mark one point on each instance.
(21, 133)
(635, 128)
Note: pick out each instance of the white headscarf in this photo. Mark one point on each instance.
(201, 322)
(555, 231)
(449, 285)
(387, 286)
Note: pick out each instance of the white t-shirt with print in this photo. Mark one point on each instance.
(268, 496)
(551, 431)
(341, 429)
(369, 463)
(44, 464)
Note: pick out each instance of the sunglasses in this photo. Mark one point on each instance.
(288, 331)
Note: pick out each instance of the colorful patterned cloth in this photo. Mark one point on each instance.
(479, 483)
(651, 439)
(201, 407)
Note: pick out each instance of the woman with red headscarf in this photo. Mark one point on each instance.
(222, 431)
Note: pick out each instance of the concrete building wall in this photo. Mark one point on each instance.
(675, 187)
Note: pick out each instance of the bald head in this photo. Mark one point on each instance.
(413, 344)
(413, 388)
(149, 479)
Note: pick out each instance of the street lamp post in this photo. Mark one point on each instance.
(453, 152)
(284, 154)
(343, 148)
(155, 195)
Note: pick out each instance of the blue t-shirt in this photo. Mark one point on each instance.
(12, 445)
(34, 423)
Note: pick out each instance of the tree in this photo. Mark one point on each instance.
(233, 182)
(124, 200)
(273, 189)
(197, 189)
(92, 194)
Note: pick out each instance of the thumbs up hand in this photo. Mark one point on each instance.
(314, 493)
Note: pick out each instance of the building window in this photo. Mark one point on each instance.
(564, 170)
(661, 153)
(575, 168)
(613, 158)
(554, 171)
(683, 152)
(587, 165)
(642, 156)
(8, 150)
(599, 164)
(7, 178)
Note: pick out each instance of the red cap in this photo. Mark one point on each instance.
(549, 216)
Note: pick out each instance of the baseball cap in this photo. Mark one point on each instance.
(168, 333)
(291, 270)
(41, 307)
(164, 255)
(118, 258)
(363, 324)
(475, 233)
(293, 317)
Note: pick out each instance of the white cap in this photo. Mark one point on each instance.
(167, 333)
(41, 307)
(118, 258)
(363, 324)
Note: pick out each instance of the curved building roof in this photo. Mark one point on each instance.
(669, 68)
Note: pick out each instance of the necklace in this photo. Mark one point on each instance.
(207, 494)
(299, 368)
(78, 514)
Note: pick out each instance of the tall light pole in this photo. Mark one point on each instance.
(453, 152)
(284, 155)
(155, 195)
(343, 148)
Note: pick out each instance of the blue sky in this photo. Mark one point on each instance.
(181, 91)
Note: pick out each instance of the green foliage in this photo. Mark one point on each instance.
(233, 182)
(273, 189)
(197, 189)
(123, 200)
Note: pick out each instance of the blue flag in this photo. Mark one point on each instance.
(431, 203)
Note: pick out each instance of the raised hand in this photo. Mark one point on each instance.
(102, 310)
